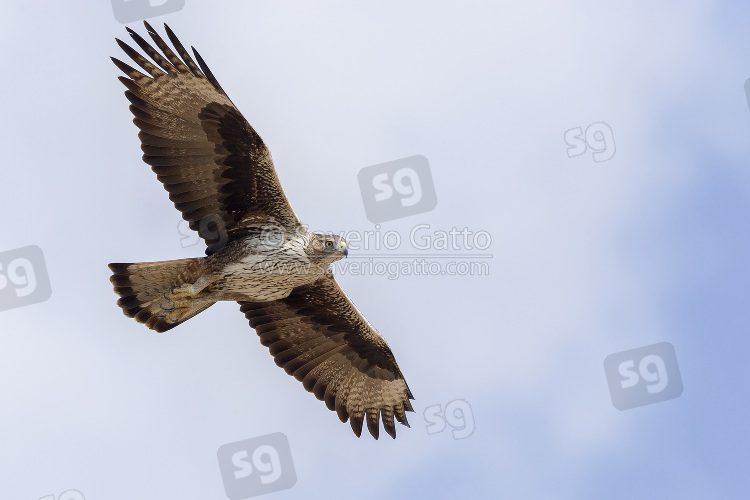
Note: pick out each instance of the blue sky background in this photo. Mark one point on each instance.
(589, 259)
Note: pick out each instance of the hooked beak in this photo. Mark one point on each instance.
(344, 249)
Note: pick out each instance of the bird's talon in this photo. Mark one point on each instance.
(181, 291)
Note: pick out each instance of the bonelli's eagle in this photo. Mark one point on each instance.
(220, 176)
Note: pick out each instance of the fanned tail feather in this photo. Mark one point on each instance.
(145, 291)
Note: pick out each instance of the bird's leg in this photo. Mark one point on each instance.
(175, 309)
(170, 305)
(191, 290)
(181, 299)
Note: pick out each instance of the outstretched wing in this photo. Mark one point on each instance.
(318, 336)
(217, 170)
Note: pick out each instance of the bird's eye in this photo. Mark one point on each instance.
(329, 244)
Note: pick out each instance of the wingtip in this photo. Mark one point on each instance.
(356, 423)
(373, 422)
(374, 431)
(391, 431)
(169, 31)
(341, 412)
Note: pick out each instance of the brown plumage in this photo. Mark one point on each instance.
(220, 176)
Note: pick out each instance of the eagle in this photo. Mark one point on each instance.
(220, 176)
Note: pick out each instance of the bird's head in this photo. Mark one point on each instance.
(329, 247)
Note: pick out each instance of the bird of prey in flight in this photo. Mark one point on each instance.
(220, 176)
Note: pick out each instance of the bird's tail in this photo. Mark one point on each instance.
(147, 291)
